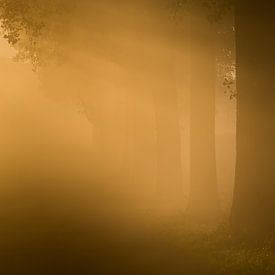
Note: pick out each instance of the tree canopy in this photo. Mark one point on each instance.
(32, 27)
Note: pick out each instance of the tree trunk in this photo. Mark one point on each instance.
(169, 170)
(254, 196)
(203, 199)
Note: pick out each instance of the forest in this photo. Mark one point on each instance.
(137, 137)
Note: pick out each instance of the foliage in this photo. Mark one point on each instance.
(218, 12)
(226, 70)
(35, 27)
(31, 26)
(230, 80)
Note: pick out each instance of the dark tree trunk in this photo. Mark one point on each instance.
(254, 197)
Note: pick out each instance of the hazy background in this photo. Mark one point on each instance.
(111, 71)
(86, 141)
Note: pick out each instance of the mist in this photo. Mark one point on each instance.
(124, 140)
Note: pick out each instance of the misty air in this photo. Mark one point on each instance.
(137, 137)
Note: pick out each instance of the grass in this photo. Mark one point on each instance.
(217, 252)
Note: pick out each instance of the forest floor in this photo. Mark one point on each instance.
(181, 249)
(203, 251)
(171, 249)
(36, 239)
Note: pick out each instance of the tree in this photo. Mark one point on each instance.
(169, 170)
(203, 198)
(203, 201)
(33, 45)
(35, 28)
(254, 204)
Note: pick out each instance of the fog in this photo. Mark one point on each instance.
(99, 139)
